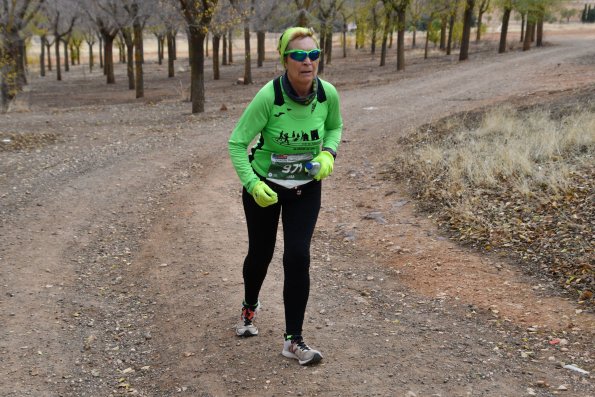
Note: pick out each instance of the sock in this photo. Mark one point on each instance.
(253, 307)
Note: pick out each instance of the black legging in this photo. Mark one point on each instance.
(299, 211)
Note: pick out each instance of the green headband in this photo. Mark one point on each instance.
(290, 34)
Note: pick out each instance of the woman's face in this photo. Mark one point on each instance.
(301, 73)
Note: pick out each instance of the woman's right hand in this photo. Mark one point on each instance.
(263, 194)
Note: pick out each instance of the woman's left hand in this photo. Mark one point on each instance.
(327, 162)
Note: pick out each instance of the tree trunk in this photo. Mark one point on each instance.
(443, 32)
(360, 33)
(413, 38)
(207, 45)
(58, 66)
(197, 77)
(374, 32)
(66, 62)
(523, 23)
(401, 38)
(162, 44)
(344, 40)
(48, 47)
(42, 57)
(174, 36)
(216, 41)
(12, 72)
(159, 48)
(128, 41)
(4, 95)
(322, 54)
(170, 54)
(427, 41)
(478, 35)
(121, 56)
(91, 57)
(383, 48)
(328, 46)
(101, 53)
(138, 58)
(224, 50)
(72, 54)
(247, 57)
(467, 21)
(4, 88)
(229, 49)
(539, 38)
(504, 31)
(373, 43)
(302, 18)
(109, 59)
(260, 47)
(451, 25)
(527, 41)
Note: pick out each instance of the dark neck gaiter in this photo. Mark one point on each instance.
(305, 100)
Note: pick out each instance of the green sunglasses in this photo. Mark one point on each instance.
(301, 55)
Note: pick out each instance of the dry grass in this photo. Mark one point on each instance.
(527, 149)
(513, 181)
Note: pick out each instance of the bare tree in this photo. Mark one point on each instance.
(400, 8)
(416, 10)
(267, 14)
(197, 15)
(484, 6)
(101, 11)
(61, 16)
(327, 14)
(15, 15)
(130, 16)
(346, 14)
(164, 22)
(388, 18)
(48, 45)
(88, 33)
(377, 9)
(452, 17)
(225, 17)
(42, 38)
(246, 9)
(304, 7)
(138, 14)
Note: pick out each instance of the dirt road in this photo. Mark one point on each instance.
(123, 236)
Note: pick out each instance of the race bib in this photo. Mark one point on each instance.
(290, 167)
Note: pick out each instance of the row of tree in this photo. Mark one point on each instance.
(588, 15)
(63, 25)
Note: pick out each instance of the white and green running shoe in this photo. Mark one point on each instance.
(295, 347)
(247, 327)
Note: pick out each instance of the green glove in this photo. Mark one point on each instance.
(326, 161)
(263, 194)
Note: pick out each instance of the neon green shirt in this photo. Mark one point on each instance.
(292, 133)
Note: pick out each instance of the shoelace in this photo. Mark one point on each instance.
(301, 344)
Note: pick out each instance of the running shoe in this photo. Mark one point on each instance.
(247, 327)
(295, 347)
